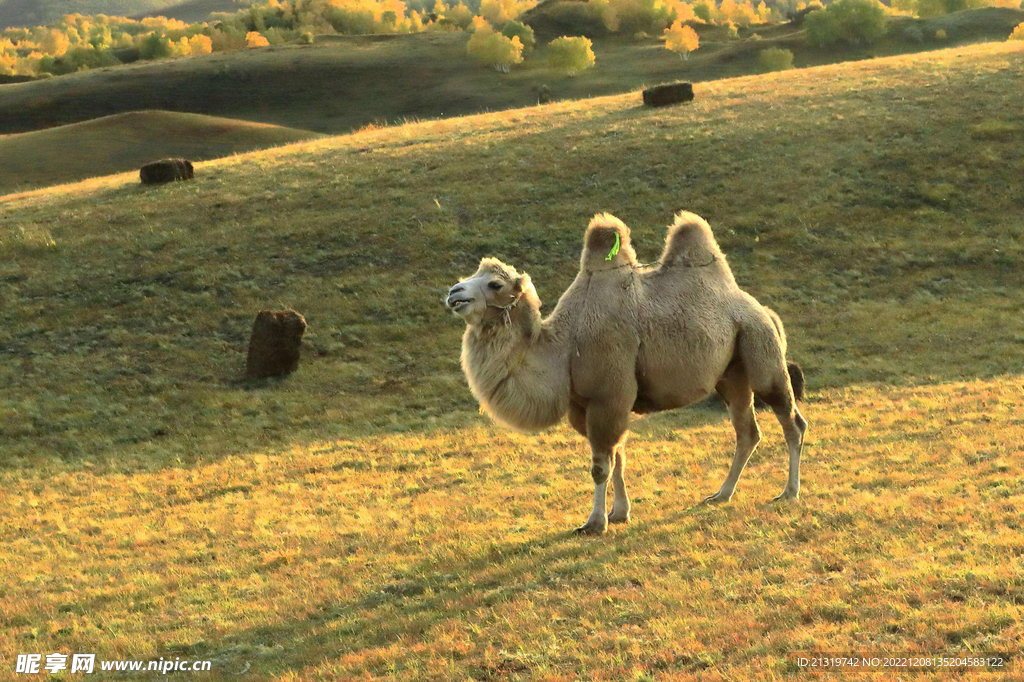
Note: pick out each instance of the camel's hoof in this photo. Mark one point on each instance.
(616, 517)
(717, 498)
(787, 494)
(591, 528)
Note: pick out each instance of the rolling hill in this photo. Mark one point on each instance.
(124, 142)
(360, 520)
(194, 11)
(14, 13)
(345, 83)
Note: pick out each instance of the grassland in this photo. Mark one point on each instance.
(360, 520)
(346, 83)
(123, 142)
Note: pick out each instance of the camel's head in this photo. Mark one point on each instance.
(493, 289)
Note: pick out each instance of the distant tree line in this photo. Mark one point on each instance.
(78, 42)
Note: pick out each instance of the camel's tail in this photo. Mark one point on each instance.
(796, 378)
(796, 375)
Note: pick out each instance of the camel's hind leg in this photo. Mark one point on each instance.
(620, 504)
(736, 392)
(794, 426)
(762, 355)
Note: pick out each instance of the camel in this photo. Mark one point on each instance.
(628, 338)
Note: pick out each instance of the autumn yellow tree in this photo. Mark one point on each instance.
(680, 11)
(255, 39)
(494, 49)
(200, 44)
(55, 43)
(570, 55)
(681, 39)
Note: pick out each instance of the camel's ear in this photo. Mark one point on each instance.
(521, 283)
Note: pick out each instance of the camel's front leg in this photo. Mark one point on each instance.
(605, 427)
(597, 523)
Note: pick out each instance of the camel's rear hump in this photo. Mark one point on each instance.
(690, 242)
(606, 244)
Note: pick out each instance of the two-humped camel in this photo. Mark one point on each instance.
(628, 338)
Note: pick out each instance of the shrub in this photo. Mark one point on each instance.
(936, 8)
(227, 38)
(255, 39)
(740, 13)
(494, 49)
(77, 59)
(500, 11)
(940, 35)
(460, 16)
(55, 43)
(731, 31)
(704, 10)
(635, 16)
(854, 21)
(1018, 32)
(681, 39)
(913, 33)
(570, 55)
(200, 44)
(775, 59)
(589, 19)
(517, 29)
(682, 11)
(306, 38)
(155, 46)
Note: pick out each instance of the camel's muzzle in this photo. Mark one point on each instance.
(455, 305)
(455, 301)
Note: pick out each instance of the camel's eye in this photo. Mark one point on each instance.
(495, 285)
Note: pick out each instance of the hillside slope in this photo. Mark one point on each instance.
(194, 11)
(858, 196)
(346, 82)
(39, 12)
(360, 520)
(126, 141)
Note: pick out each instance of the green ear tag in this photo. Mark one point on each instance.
(615, 249)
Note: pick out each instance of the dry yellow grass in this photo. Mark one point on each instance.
(443, 555)
(359, 520)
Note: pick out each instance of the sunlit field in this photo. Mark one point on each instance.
(361, 520)
(127, 141)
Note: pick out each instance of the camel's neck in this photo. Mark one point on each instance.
(518, 367)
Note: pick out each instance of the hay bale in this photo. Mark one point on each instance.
(166, 170)
(274, 344)
(664, 95)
